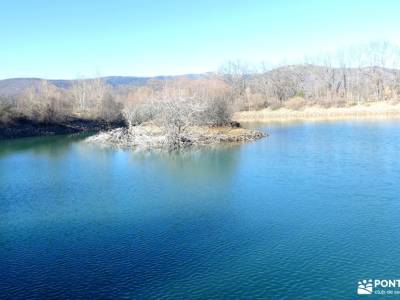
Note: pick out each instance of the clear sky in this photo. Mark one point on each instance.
(71, 38)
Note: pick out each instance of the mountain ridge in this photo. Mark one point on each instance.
(309, 74)
(14, 86)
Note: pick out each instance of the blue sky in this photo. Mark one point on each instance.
(69, 39)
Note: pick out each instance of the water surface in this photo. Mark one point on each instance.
(304, 213)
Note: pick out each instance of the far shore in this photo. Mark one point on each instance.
(375, 110)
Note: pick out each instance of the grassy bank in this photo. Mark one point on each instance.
(376, 110)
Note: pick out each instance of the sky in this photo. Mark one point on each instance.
(65, 39)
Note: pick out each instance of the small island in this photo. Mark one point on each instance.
(148, 137)
(172, 123)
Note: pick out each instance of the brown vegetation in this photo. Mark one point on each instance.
(371, 111)
(211, 99)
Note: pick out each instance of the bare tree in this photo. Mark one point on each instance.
(236, 74)
(79, 92)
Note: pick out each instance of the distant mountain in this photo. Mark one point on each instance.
(14, 86)
(137, 81)
(286, 79)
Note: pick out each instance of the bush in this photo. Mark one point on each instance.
(274, 105)
(217, 112)
(110, 109)
(257, 101)
(300, 94)
(295, 103)
(139, 113)
(6, 112)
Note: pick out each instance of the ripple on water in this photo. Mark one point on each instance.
(274, 219)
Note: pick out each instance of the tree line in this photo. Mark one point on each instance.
(360, 75)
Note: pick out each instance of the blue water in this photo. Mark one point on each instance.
(302, 214)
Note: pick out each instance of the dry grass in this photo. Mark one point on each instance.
(295, 103)
(376, 110)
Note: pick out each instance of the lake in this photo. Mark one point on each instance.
(304, 213)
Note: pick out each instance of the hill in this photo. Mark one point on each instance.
(14, 86)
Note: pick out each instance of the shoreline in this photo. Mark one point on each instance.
(26, 128)
(372, 111)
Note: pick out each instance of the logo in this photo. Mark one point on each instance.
(379, 287)
(365, 287)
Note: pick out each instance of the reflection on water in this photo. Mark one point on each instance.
(304, 213)
(206, 164)
(53, 146)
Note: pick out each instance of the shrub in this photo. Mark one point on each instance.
(295, 103)
(6, 112)
(217, 112)
(274, 105)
